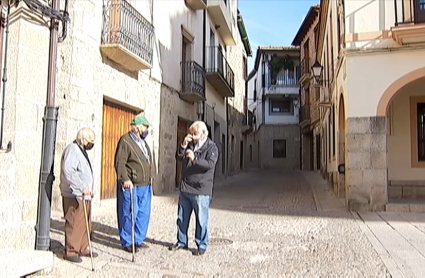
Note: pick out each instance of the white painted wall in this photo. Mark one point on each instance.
(399, 144)
(371, 75)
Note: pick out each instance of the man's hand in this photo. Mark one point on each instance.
(190, 154)
(128, 184)
(87, 192)
(187, 140)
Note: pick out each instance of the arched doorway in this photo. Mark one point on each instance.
(341, 145)
(403, 103)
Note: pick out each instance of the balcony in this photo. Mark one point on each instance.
(193, 82)
(287, 83)
(409, 21)
(196, 4)
(220, 14)
(219, 73)
(127, 37)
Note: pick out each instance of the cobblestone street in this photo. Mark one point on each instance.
(263, 224)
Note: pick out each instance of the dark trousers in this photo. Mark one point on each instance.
(76, 242)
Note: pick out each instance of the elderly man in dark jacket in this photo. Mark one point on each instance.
(199, 155)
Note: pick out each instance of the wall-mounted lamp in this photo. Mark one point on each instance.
(296, 102)
(317, 70)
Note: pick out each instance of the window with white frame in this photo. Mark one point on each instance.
(281, 106)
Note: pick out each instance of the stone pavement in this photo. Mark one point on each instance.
(263, 224)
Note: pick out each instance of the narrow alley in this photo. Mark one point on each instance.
(263, 224)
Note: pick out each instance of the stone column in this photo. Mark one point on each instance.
(366, 163)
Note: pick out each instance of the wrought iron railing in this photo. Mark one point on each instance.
(285, 78)
(193, 79)
(217, 63)
(305, 113)
(124, 25)
(409, 11)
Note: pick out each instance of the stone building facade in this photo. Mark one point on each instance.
(101, 89)
(306, 38)
(372, 125)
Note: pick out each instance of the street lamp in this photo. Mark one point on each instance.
(295, 102)
(317, 69)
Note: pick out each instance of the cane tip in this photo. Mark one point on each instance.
(92, 269)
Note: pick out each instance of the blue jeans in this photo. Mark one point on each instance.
(201, 205)
(142, 196)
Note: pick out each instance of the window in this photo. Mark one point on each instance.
(420, 118)
(244, 68)
(422, 4)
(250, 152)
(281, 107)
(279, 148)
(333, 130)
(255, 89)
(263, 75)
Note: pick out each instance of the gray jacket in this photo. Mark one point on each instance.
(76, 173)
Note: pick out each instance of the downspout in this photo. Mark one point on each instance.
(228, 136)
(204, 42)
(48, 145)
(4, 79)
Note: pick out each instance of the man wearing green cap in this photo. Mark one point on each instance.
(133, 168)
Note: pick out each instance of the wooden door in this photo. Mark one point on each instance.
(116, 122)
(420, 11)
(182, 130)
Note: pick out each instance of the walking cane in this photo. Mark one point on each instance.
(88, 233)
(132, 223)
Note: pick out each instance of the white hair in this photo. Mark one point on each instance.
(200, 126)
(85, 133)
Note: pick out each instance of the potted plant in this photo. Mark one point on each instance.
(277, 63)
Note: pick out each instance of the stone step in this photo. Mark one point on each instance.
(18, 263)
(405, 205)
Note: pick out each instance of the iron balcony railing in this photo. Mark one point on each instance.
(217, 63)
(285, 78)
(409, 11)
(124, 25)
(193, 79)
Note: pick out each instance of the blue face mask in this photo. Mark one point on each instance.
(144, 134)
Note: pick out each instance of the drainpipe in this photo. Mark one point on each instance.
(48, 147)
(228, 136)
(9, 145)
(204, 46)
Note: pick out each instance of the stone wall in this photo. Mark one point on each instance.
(291, 133)
(366, 163)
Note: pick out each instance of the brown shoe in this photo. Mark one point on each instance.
(95, 255)
(73, 259)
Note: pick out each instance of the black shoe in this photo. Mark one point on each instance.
(142, 245)
(129, 249)
(176, 247)
(94, 254)
(198, 252)
(74, 259)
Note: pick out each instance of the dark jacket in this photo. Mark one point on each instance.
(130, 162)
(198, 176)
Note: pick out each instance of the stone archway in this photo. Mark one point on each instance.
(341, 145)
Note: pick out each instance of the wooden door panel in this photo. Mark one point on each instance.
(116, 121)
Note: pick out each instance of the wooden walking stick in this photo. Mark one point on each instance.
(88, 233)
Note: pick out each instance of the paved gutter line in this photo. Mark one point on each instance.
(383, 253)
(315, 195)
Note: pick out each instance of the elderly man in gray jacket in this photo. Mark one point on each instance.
(77, 184)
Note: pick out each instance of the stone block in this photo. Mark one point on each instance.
(375, 177)
(356, 206)
(354, 142)
(29, 210)
(379, 195)
(10, 211)
(420, 192)
(6, 186)
(410, 192)
(359, 125)
(358, 160)
(395, 192)
(397, 207)
(27, 180)
(359, 194)
(417, 208)
(379, 160)
(378, 143)
(7, 162)
(378, 125)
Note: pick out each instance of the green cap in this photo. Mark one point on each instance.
(140, 120)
